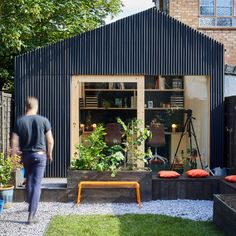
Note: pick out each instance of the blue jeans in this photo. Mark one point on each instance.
(34, 164)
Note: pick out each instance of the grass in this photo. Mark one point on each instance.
(129, 225)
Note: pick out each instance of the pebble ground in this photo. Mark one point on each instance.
(13, 220)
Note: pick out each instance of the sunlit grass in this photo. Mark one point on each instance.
(129, 225)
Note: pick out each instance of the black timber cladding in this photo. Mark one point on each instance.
(147, 43)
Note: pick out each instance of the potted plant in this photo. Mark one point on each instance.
(6, 190)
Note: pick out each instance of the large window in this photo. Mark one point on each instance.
(217, 13)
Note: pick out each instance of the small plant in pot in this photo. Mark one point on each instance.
(6, 190)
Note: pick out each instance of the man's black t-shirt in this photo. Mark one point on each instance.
(31, 130)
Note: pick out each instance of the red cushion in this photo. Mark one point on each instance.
(197, 173)
(231, 178)
(168, 174)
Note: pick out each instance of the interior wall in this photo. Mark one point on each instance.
(197, 99)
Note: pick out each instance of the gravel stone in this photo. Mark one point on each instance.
(13, 220)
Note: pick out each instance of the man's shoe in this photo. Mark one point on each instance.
(32, 219)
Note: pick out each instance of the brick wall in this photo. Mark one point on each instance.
(187, 11)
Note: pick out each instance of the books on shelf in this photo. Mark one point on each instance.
(177, 101)
(81, 103)
(91, 101)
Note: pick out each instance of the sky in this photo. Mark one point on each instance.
(131, 7)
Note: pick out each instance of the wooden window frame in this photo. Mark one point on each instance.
(233, 16)
(76, 92)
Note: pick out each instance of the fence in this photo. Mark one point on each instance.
(5, 121)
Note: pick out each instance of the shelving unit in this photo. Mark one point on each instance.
(105, 103)
(164, 90)
(163, 108)
(164, 100)
(110, 108)
(101, 103)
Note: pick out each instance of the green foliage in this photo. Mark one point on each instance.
(6, 168)
(134, 137)
(94, 154)
(114, 159)
(26, 25)
(129, 225)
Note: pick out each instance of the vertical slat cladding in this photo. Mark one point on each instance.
(148, 43)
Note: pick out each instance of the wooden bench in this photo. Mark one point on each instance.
(109, 184)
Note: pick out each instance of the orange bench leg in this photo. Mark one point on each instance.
(138, 194)
(79, 194)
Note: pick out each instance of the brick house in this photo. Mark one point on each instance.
(214, 18)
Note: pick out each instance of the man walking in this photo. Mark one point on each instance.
(32, 135)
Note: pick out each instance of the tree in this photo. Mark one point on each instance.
(29, 24)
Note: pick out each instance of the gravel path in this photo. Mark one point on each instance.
(13, 220)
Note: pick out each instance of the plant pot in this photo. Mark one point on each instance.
(6, 194)
(144, 177)
(1, 205)
(178, 168)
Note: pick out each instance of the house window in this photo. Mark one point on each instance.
(217, 13)
(162, 5)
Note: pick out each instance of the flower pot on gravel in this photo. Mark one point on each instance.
(1, 205)
(6, 194)
(7, 165)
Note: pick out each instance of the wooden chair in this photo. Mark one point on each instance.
(113, 134)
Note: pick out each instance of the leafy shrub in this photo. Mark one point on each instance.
(6, 168)
(134, 137)
(94, 154)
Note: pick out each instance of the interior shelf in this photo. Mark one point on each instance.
(110, 108)
(164, 90)
(165, 108)
(111, 90)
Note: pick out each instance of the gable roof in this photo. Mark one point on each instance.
(149, 42)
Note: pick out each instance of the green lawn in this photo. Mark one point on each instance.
(128, 225)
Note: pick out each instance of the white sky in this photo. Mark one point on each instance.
(131, 7)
